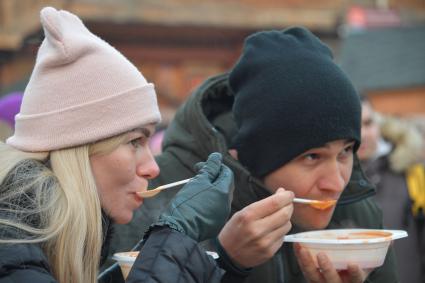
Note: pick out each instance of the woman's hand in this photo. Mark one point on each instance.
(202, 206)
(326, 273)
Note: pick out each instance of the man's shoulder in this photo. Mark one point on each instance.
(360, 214)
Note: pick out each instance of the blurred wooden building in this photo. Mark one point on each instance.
(175, 43)
(388, 66)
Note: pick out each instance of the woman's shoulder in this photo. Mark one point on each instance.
(24, 263)
(20, 252)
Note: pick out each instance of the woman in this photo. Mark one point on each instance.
(77, 158)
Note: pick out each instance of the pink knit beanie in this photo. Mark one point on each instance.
(81, 90)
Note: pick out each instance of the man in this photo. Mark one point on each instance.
(389, 147)
(287, 122)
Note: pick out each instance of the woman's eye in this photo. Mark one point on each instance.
(136, 142)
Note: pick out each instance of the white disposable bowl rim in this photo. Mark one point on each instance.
(316, 237)
(124, 258)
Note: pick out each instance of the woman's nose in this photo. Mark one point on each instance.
(148, 168)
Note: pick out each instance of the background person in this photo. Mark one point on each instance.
(9, 107)
(389, 148)
(77, 158)
(286, 116)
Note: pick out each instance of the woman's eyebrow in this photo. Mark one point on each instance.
(145, 131)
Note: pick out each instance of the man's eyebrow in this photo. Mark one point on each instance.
(327, 145)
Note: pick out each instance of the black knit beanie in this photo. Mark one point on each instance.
(289, 97)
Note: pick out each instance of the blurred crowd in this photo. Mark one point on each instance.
(10, 105)
(391, 155)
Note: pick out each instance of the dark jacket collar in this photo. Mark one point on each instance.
(107, 233)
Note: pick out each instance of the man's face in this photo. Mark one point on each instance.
(370, 133)
(319, 173)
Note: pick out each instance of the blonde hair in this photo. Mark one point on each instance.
(65, 200)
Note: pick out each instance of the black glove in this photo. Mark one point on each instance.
(200, 209)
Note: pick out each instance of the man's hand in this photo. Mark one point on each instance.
(326, 273)
(255, 233)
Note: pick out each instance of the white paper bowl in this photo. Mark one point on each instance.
(365, 247)
(125, 261)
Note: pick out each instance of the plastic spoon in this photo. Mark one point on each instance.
(319, 204)
(157, 190)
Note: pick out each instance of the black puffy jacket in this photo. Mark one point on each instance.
(166, 256)
(24, 263)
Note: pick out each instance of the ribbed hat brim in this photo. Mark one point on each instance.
(97, 120)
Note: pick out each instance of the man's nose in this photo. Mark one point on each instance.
(333, 177)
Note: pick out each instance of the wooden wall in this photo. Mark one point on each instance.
(407, 102)
(178, 57)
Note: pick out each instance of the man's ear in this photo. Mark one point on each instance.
(233, 153)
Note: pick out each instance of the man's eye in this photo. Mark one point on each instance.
(349, 149)
(311, 156)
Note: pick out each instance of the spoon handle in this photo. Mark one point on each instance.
(173, 184)
(318, 204)
(303, 200)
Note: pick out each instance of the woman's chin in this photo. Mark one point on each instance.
(123, 219)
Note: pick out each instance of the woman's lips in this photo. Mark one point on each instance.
(138, 198)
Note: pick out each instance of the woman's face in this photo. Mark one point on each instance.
(320, 173)
(123, 172)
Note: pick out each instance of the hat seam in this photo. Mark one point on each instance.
(21, 116)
